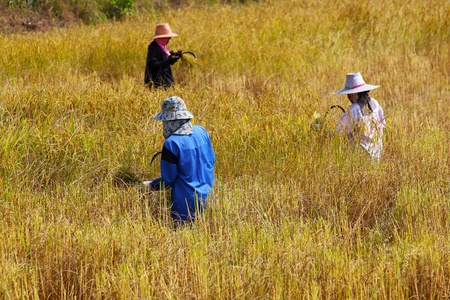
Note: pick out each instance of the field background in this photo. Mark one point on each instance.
(296, 214)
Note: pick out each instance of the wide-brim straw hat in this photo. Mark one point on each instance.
(173, 109)
(354, 83)
(163, 31)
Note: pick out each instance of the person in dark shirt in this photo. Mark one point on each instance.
(158, 71)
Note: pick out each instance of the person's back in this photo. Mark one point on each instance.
(363, 122)
(365, 127)
(194, 156)
(187, 161)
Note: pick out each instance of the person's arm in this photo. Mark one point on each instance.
(148, 75)
(344, 124)
(156, 64)
(378, 113)
(153, 185)
(213, 156)
(156, 60)
(169, 165)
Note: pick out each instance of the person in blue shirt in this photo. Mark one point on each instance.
(187, 161)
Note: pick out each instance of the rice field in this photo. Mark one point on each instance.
(295, 214)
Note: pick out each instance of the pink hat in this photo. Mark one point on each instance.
(354, 83)
(163, 31)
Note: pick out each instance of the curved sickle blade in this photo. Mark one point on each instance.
(334, 106)
(187, 52)
(154, 156)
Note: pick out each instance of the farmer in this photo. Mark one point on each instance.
(158, 72)
(187, 161)
(363, 122)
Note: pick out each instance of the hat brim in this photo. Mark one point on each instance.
(366, 87)
(173, 116)
(164, 36)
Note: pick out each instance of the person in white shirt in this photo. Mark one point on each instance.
(363, 122)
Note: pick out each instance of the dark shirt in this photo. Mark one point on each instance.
(157, 69)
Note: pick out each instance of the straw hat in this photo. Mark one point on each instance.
(354, 83)
(163, 31)
(173, 108)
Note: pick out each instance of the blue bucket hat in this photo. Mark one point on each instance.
(173, 109)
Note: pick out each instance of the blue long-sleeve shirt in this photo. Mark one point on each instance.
(187, 165)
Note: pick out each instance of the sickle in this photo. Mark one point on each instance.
(188, 52)
(334, 106)
(154, 156)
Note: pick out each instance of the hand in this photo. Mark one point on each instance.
(149, 186)
(146, 187)
(178, 53)
(316, 124)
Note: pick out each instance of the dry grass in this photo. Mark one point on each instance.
(296, 214)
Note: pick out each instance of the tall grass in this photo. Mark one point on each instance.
(295, 214)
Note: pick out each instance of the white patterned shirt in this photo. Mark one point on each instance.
(364, 127)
